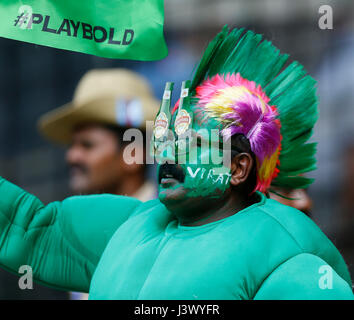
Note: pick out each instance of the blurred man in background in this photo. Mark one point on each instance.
(106, 103)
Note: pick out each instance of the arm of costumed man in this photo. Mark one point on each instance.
(304, 277)
(62, 241)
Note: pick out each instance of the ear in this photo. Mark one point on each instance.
(241, 166)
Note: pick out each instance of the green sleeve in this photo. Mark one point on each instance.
(304, 277)
(62, 242)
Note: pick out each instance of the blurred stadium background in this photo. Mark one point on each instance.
(36, 79)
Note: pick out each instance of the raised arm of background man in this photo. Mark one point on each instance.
(62, 242)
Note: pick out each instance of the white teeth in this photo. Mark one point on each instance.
(169, 176)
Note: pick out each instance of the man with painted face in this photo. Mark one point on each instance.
(213, 233)
(194, 182)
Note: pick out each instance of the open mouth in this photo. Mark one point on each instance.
(170, 174)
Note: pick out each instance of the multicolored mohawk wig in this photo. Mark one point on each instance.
(241, 82)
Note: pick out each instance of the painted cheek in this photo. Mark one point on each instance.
(206, 181)
(205, 174)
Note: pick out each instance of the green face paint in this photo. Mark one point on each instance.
(207, 181)
(195, 157)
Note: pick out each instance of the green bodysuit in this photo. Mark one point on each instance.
(116, 247)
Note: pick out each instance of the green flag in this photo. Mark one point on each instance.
(121, 29)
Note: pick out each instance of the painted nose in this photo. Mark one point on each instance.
(165, 152)
(73, 155)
